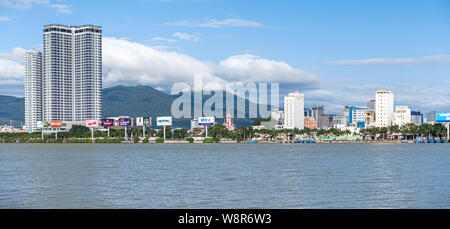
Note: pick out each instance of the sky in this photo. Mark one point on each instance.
(337, 53)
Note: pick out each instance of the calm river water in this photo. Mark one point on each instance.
(224, 176)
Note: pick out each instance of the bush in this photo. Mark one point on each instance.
(101, 140)
(36, 141)
(80, 141)
(23, 140)
(55, 141)
(10, 140)
(114, 140)
(145, 140)
(190, 140)
(136, 140)
(160, 140)
(216, 140)
(208, 140)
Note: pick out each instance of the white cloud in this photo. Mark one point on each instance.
(128, 62)
(4, 19)
(27, 4)
(409, 62)
(214, 23)
(186, 36)
(156, 39)
(250, 68)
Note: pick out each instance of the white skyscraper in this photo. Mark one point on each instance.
(384, 108)
(33, 90)
(72, 73)
(294, 111)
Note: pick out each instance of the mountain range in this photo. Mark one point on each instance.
(133, 101)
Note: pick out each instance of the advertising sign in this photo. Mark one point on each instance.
(206, 121)
(56, 124)
(125, 122)
(164, 121)
(442, 117)
(139, 121)
(91, 123)
(107, 122)
(148, 122)
(40, 124)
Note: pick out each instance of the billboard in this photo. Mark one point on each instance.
(125, 122)
(148, 122)
(56, 124)
(164, 121)
(41, 124)
(139, 121)
(91, 123)
(107, 122)
(206, 121)
(442, 117)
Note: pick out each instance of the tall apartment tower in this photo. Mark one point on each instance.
(33, 90)
(72, 72)
(294, 111)
(384, 108)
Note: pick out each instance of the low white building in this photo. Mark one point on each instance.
(401, 116)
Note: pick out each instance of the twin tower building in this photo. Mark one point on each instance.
(63, 81)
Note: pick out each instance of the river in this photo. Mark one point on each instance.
(224, 176)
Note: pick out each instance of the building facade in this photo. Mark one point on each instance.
(33, 90)
(401, 116)
(72, 72)
(417, 117)
(310, 123)
(384, 108)
(294, 111)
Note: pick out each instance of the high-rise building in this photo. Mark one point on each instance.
(33, 90)
(294, 113)
(316, 113)
(384, 108)
(401, 116)
(72, 72)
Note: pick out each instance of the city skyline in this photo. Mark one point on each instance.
(338, 57)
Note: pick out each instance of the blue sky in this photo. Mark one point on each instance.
(336, 52)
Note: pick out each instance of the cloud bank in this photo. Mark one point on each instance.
(27, 4)
(214, 23)
(408, 62)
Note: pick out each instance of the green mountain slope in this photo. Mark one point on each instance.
(133, 101)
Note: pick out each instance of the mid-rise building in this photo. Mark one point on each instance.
(277, 114)
(370, 119)
(33, 90)
(72, 72)
(308, 112)
(371, 104)
(310, 123)
(431, 117)
(384, 108)
(228, 122)
(417, 117)
(401, 116)
(294, 105)
(357, 115)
